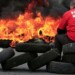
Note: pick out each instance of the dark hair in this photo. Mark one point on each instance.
(72, 3)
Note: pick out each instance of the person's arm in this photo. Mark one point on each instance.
(62, 26)
(60, 31)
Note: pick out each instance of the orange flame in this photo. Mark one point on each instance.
(25, 27)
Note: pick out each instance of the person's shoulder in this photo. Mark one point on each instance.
(72, 11)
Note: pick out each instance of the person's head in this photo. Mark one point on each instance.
(72, 4)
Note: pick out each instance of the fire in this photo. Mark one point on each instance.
(25, 27)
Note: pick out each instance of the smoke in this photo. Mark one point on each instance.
(57, 11)
(12, 8)
(66, 3)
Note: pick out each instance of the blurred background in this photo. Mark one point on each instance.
(11, 8)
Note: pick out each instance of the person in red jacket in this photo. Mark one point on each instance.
(66, 28)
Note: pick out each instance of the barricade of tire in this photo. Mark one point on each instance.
(43, 59)
(32, 47)
(35, 61)
(60, 67)
(69, 53)
(6, 53)
(17, 60)
(67, 64)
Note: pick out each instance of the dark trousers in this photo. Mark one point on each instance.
(60, 40)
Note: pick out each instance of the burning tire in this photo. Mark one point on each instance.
(43, 59)
(32, 47)
(69, 53)
(60, 67)
(5, 43)
(6, 54)
(18, 60)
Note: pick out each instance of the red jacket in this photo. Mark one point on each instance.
(68, 23)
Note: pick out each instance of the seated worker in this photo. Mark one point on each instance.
(66, 29)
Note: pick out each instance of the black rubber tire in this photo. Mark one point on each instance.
(6, 53)
(18, 60)
(5, 43)
(68, 48)
(60, 67)
(43, 59)
(70, 58)
(32, 47)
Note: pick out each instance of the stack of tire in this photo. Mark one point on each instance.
(55, 63)
(38, 46)
(6, 53)
(9, 58)
(31, 55)
(67, 63)
(37, 61)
